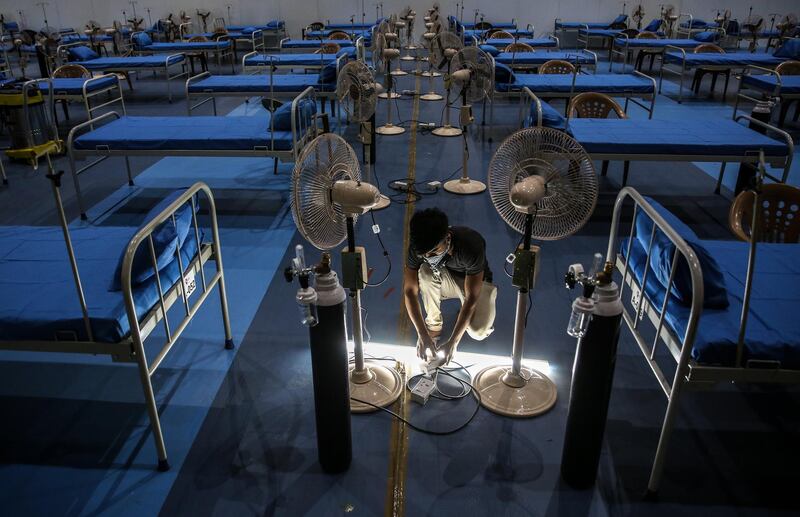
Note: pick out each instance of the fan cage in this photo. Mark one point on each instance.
(356, 91)
(570, 179)
(479, 62)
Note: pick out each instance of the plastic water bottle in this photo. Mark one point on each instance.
(582, 309)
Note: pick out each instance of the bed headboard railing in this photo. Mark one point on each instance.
(679, 346)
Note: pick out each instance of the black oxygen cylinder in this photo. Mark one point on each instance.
(329, 366)
(747, 171)
(592, 377)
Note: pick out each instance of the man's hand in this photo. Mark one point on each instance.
(425, 345)
(448, 349)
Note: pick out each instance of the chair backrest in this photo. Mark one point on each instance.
(647, 35)
(329, 48)
(788, 68)
(557, 66)
(779, 219)
(631, 33)
(519, 47)
(197, 38)
(500, 35)
(316, 26)
(71, 71)
(708, 48)
(338, 35)
(483, 26)
(594, 105)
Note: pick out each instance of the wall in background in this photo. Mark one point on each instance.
(298, 13)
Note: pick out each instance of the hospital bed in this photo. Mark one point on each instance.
(768, 84)
(257, 62)
(692, 334)
(502, 43)
(460, 25)
(684, 61)
(625, 47)
(533, 60)
(325, 33)
(704, 140)
(47, 306)
(83, 90)
(208, 87)
(221, 48)
(561, 25)
(127, 64)
(273, 31)
(301, 45)
(253, 39)
(482, 35)
(281, 136)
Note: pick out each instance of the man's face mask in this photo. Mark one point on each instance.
(434, 261)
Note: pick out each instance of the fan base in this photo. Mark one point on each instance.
(390, 130)
(382, 203)
(408, 58)
(411, 47)
(430, 74)
(390, 95)
(509, 395)
(447, 131)
(432, 96)
(397, 72)
(465, 186)
(376, 384)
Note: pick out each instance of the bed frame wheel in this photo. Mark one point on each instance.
(163, 465)
(229, 344)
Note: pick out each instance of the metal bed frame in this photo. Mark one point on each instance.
(219, 54)
(775, 94)
(477, 43)
(301, 134)
(627, 51)
(688, 373)
(170, 60)
(87, 95)
(784, 163)
(301, 50)
(277, 64)
(525, 67)
(131, 348)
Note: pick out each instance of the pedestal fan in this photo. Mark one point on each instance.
(392, 38)
(787, 25)
(408, 16)
(444, 46)
(357, 92)
(204, 14)
(753, 25)
(670, 16)
(327, 198)
(544, 186)
(388, 54)
(382, 60)
(638, 16)
(472, 75)
(427, 39)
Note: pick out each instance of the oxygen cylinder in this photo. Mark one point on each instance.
(329, 366)
(592, 377)
(747, 171)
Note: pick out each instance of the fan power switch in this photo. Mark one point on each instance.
(354, 268)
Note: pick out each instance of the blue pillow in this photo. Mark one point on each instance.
(274, 24)
(249, 30)
(282, 118)
(714, 288)
(707, 36)
(490, 49)
(620, 19)
(328, 74)
(550, 117)
(653, 26)
(790, 49)
(82, 53)
(142, 39)
(350, 52)
(503, 74)
(167, 238)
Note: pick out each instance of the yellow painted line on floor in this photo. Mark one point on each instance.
(398, 439)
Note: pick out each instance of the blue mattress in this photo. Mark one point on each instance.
(37, 293)
(271, 25)
(350, 26)
(608, 33)
(538, 58)
(701, 137)
(324, 33)
(533, 42)
(259, 84)
(187, 46)
(72, 38)
(790, 84)
(74, 86)
(562, 83)
(312, 43)
(129, 62)
(773, 330)
(520, 33)
(656, 43)
(581, 25)
(498, 25)
(774, 33)
(298, 60)
(161, 134)
(731, 59)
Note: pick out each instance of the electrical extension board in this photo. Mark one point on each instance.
(422, 390)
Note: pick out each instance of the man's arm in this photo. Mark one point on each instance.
(411, 295)
(472, 290)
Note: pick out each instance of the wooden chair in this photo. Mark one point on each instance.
(700, 72)
(71, 71)
(788, 68)
(197, 55)
(598, 105)
(557, 66)
(780, 218)
(498, 34)
(643, 54)
(338, 35)
(328, 48)
(519, 47)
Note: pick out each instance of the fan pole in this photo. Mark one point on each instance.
(389, 129)
(465, 185)
(367, 143)
(447, 129)
(513, 377)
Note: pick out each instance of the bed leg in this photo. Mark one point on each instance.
(65, 108)
(604, 169)
(625, 169)
(275, 169)
(782, 113)
(150, 402)
(666, 432)
(718, 188)
(725, 89)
